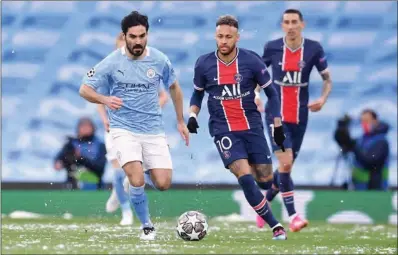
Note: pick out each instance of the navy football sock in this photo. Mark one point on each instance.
(256, 199)
(286, 187)
(265, 185)
(274, 190)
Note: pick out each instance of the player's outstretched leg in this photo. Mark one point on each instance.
(139, 199)
(264, 178)
(122, 196)
(241, 169)
(287, 190)
(270, 194)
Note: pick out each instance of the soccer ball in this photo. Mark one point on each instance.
(192, 226)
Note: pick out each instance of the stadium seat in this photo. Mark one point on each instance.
(49, 46)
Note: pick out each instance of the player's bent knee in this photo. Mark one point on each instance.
(163, 186)
(286, 167)
(135, 182)
(161, 178)
(285, 161)
(240, 167)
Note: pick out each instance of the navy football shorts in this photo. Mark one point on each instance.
(294, 136)
(249, 144)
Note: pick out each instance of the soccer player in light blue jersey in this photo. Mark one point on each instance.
(119, 197)
(133, 75)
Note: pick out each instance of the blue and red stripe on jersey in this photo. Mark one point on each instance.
(290, 95)
(235, 115)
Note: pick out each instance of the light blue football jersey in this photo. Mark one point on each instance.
(137, 83)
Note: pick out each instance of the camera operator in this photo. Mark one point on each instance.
(83, 158)
(371, 151)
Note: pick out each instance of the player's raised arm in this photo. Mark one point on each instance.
(323, 69)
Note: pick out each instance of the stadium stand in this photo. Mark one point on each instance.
(49, 46)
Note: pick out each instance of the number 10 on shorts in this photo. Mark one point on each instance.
(224, 143)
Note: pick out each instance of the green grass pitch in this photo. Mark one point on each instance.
(104, 236)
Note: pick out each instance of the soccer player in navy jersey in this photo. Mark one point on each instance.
(230, 76)
(292, 59)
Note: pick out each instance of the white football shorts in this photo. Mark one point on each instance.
(152, 150)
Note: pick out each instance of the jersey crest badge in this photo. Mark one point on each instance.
(150, 73)
(301, 64)
(238, 78)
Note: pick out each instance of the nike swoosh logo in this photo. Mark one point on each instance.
(215, 79)
(268, 156)
(280, 63)
(120, 72)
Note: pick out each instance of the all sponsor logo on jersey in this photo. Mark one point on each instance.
(292, 78)
(231, 92)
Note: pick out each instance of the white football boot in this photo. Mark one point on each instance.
(127, 218)
(113, 203)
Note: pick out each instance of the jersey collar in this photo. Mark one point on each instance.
(227, 64)
(301, 45)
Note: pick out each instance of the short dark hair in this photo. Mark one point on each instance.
(134, 19)
(228, 20)
(294, 11)
(371, 112)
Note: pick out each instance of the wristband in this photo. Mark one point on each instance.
(192, 114)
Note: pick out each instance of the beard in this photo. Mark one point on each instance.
(228, 52)
(137, 50)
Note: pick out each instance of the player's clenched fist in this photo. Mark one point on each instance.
(193, 125)
(279, 136)
(114, 103)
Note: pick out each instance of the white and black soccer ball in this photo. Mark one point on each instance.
(192, 226)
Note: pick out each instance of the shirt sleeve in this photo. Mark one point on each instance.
(98, 76)
(267, 55)
(321, 62)
(168, 74)
(261, 74)
(199, 81)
